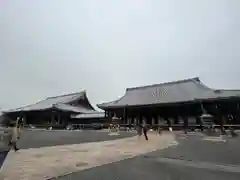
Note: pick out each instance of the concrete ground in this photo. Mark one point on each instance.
(47, 162)
(194, 158)
(44, 138)
(202, 149)
(171, 156)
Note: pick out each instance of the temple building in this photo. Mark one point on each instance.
(174, 103)
(89, 118)
(56, 110)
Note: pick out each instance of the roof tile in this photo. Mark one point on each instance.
(60, 102)
(170, 92)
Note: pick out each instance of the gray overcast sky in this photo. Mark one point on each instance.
(52, 47)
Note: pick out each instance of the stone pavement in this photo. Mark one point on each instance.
(48, 162)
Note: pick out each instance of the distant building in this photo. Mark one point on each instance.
(54, 110)
(1, 117)
(177, 102)
(90, 118)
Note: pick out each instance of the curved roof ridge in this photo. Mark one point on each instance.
(111, 102)
(85, 95)
(165, 83)
(201, 84)
(226, 89)
(69, 94)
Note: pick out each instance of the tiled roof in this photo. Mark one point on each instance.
(60, 102)
(221, 94)
(76, 109)
(171, 92)
(89, 115)
(227, 93)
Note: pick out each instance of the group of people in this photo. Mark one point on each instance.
(141, 128)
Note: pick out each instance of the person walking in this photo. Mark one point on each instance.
(15, 137)
(8, 136)
(145, 130)
(16, 130)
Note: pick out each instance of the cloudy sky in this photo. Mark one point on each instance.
(52, 47)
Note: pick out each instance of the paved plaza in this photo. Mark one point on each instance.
(170, 156)
(196, 157)
(45, 138)
(46, 162)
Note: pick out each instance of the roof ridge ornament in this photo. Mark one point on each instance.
(197, 79)
(68, 94)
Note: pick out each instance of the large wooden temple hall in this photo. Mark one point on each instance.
(174, 102)
(58, 110)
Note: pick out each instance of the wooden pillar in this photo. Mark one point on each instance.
(59, 118)
(238, 114)
(159, 120)
(125, 115)
(153, 121)
(110, 114)
(168, 122)
(125, 118)
(220, 117)
(219, 114)
(24, 119)
(135, 121)
(145, 120)
(202, 108)
(52, 118)
(141, 119)
(185, 122)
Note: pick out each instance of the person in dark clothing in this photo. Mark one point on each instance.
(145, 129)
(145, 133)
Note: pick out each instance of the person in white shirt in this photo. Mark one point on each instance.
(9, 134)
(16, 130)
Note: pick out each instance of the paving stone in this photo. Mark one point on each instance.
(43, 163)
